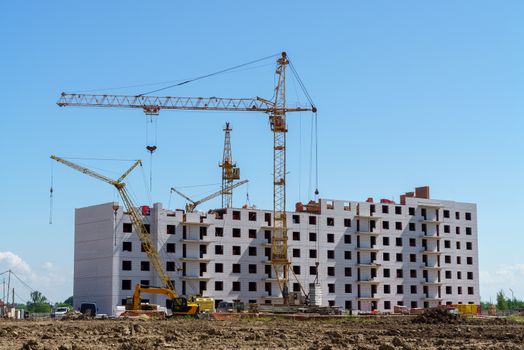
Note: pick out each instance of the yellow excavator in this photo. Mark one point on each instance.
(179, 305)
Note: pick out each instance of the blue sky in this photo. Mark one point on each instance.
(409, 93)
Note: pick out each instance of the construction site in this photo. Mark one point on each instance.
(203, 271)
(252, 272)
(345, 255)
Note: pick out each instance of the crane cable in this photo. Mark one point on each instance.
(108, 159)
(314, 129)
(310, 185)
(301, 83)
(152, 148)
(208, 75)
(316, 155)
(313, 156)
(159, 82)
(144, 179)
(151, 144)
(299, 147)
(51, 195)
(248, 202)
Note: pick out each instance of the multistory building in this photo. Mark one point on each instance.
(420, 252)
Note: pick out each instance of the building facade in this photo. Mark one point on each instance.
(370, 255)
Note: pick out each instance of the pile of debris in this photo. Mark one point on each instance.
(73, 315)
(439, 316)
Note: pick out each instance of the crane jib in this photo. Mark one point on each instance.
(155, 103)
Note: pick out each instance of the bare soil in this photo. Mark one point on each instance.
(384, 333)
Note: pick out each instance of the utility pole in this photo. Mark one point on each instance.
(8, 286)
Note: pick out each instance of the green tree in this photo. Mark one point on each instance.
(69, 301)
(37, 297)
(21, 307)
(505, 303)
(502, 302)
(484, 305)
(39, 308)
(66, 303)
(39, 303)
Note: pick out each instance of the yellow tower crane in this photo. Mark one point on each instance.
(276, 109)
(230, 171)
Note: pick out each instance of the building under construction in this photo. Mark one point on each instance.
(369, 255)
(359, 255)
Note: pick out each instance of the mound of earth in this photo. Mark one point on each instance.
(438, 315)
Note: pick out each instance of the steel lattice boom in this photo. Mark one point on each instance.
(153, 104)
(136, 218)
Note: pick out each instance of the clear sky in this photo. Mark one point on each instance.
(409, 93)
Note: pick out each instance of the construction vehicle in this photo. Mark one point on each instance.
(231, 306)
(182, 306)
(205, 304)
(193, 305)
(277, 109)
(88, 309)
(178, 305)
(191, 205)
(467, 309)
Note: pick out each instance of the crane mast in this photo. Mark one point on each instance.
(134, 214)
(230, 172)
(276, 109)
(277, 119)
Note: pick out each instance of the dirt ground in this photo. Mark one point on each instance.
(388, 333)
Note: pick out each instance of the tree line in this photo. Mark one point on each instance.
(40, 304)
(505, 303)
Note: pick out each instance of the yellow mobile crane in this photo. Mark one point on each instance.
(179, 305)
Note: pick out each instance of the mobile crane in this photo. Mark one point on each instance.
(179, 305)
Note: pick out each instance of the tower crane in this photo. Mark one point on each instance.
(191, 205)
(230, 172)
(276, 109)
